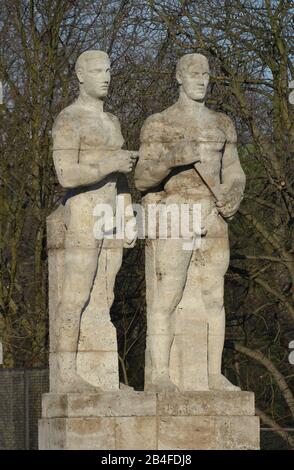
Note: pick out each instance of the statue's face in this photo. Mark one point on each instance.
(95, 77)
(194, 79)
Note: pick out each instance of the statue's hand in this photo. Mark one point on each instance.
(227, 210)
(124, 160)
(228, 201)
(227, 204)
(185, 153)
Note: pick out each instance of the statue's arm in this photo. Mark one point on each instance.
(233, 178)
(232, 174)
(157, 157)
(71, 173)
(152, 167)
(154, 162)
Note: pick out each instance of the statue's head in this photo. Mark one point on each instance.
(93, 72)
(193, 75)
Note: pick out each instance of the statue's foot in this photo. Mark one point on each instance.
(77, 385)
(163, 384)
(125, 388)
(220, 382)
(65, 378)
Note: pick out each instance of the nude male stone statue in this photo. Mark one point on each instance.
(188, 154)
(91, 164)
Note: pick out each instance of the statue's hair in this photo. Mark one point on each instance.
(89, 55)
(186, 60)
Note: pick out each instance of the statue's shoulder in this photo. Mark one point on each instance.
(154, 119)
(226, 124)
(171, 113)
(154, 128)
(113, 118)
(69, 116)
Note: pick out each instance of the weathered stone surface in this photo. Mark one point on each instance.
(162, 433)
(136, 433)
(208, 433)
(97, 433)
(188, 155)
(54, 405)
(184, 432)
(99, 368)
(147, 420)
(210, 403)
(91, 433)
(55, 246)
(61, 365)
(99, 404)
(91, 165)
(188, 362)
(191, 152)
(77, 433)
(52, 434)
(104, 341)
(237, 432)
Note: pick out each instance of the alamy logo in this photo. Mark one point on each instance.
(175, 221)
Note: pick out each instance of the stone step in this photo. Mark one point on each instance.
(131, 403)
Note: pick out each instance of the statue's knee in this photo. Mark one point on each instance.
(168, 299)
(213, 300)
(67, 342)
(66, 331)
(110, 298)
(216, 311)
(70, 306)
(159, 322)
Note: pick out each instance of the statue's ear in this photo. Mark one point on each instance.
(79, 73)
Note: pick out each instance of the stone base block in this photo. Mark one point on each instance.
(122, 420)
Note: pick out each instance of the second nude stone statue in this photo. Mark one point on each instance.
(188, 154)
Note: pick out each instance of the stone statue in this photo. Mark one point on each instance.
(92, 166)
(188, 154)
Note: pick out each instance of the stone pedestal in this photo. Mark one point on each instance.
(204, 420)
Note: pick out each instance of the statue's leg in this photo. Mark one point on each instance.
(81, 252)
(113, 262)
(216, 256)
(167, 264)
(102, 292)
(97, 360)
(79, 270)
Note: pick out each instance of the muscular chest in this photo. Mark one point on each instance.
(206, 138)
(207, 135)
(98, 132)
